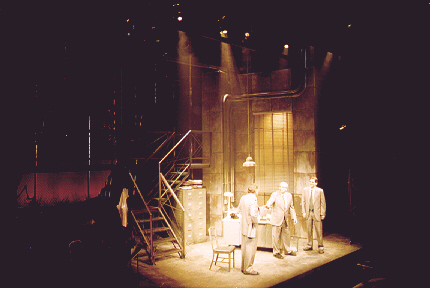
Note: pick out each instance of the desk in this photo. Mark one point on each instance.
(232, 234)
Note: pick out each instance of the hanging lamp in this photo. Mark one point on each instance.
(248, 162)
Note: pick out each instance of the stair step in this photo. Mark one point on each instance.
(148, 220)
(164, 240)
(179, 172)
(144, 211)
(156, 229)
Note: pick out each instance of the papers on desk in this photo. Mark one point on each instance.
(264, 213)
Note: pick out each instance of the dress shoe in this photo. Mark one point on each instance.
(251, 272)
(307, 248)
(321, 250)
(279, 256)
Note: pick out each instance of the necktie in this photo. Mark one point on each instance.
(311, 201)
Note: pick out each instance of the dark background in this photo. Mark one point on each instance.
(378, 88)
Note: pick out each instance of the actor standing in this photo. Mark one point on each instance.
(248, 208)
(314, 211)
(282, 205)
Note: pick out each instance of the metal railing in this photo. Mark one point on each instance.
(174, 170)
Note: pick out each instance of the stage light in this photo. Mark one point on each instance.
(179, 18)
(224, 34)
(285, 51)
(342, 127)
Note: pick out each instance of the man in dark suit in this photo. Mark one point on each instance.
(248, 208)
(314, 211)
(282, 206)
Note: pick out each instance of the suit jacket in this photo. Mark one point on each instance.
(319, 202)
(281, 207)
(248, 208)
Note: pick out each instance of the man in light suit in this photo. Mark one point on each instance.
(248, 208)
(282, 205)
(314, 211)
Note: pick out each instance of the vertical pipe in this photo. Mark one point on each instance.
(223, 140)
(190, 111)
(159, 183)
(191, 156)
(183, 234)
(273, 151)
(151, 240)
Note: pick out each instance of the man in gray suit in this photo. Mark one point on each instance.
(282, 205)
(248, 208)
(314, 211)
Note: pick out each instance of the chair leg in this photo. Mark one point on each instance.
(213, 256)
(229, 261)
(233, 258)
(216, 258)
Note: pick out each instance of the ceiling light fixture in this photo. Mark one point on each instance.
(248, 162)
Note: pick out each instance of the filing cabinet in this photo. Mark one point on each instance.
(194, 202)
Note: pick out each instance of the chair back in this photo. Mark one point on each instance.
(213, 237)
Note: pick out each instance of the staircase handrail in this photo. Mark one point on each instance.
(177, 144)
(172, 192)
(168, 138)
(138, 190)
(177, 177)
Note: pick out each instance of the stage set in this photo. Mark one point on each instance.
(185, 113)
(340, 266)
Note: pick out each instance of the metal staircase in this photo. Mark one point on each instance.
(158, 220)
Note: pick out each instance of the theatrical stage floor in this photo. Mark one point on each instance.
(338, 265)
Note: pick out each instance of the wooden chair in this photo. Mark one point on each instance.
(218, 249)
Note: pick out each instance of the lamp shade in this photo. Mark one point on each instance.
(249, 162)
